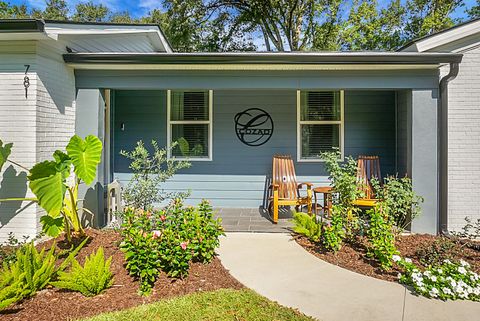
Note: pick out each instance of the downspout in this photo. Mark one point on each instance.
(443, 146)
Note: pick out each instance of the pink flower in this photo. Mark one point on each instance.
(183, 245)
(156, 234)
(163, 218)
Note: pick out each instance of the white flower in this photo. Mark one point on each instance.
(447, 291)
(427, 273)
(399, 275)
(440, 271)
(433, 278)
(396, 258)
(453, 283)
(476, 291)
(433, 292)
(447, 261)
(462, 270)
(464, 263)
(408, 260)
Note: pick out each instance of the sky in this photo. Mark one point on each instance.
(139, 8)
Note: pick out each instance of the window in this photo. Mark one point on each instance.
(189, 115)
(319, 123)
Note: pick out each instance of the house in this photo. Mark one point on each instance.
(232, 111)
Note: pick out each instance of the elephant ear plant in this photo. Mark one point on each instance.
(54, 193)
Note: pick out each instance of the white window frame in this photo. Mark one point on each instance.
(300, 122)
(209, 122)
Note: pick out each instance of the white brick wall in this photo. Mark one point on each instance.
(37, 125)
(464, 141)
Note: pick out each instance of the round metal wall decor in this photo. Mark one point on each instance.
(254, 126)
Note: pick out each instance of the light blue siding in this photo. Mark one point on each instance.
(237, 175)
(157, 79)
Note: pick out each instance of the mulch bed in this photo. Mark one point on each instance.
(353, 256)
(54, 304)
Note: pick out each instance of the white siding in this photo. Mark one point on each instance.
(464, 141)
(37, 125)
(17, 126)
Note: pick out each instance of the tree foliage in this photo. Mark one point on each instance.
(274, 25)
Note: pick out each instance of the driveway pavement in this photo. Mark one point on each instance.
(278, 268)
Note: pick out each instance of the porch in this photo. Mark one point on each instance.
(392, 118)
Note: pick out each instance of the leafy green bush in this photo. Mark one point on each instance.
(398, 196)
(449, 280)
(168, 240)
(435, 253)
(343, 177)
(333, 232)
(91, 279)
(381, 237)
(149, 171)
(30, 272)
(307, 225)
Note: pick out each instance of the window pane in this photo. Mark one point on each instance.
(189, 105)
(319, 138)
(320, 105)
(192, 140)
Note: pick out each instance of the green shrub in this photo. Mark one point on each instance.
(307, 225)
(150, 170)
(168, 240)
(436, 252)
(343, 177)
(30, 272)
(398, 196)
(381, 237)
(91, 279)
(448, 280)
(333, 232)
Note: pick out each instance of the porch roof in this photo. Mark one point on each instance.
(265, 58)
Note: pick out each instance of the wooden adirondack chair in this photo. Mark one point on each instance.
(285, 189)
(368, 167)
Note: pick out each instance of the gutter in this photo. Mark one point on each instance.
(443, 147)
(21, 25)
(369, 58)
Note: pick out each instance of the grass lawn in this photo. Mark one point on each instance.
(224, 304)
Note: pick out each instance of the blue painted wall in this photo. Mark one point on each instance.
(236, 176)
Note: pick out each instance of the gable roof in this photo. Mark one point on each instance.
(130, 37)
(443, 37)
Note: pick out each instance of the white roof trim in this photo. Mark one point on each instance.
(445, 37)
(54, 29)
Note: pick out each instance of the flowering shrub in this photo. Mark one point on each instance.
(168, 240)
(449, 280)
(381, 237)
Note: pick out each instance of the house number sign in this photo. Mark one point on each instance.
(254, 126)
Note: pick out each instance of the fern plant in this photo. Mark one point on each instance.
(91, 279)
(31, 272)
(307, 225)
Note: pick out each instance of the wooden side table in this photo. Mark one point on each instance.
(327, 199)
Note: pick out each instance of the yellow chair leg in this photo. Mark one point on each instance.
(275, 206)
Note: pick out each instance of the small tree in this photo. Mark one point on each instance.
(149, 171)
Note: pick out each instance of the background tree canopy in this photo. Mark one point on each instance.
(274, 25)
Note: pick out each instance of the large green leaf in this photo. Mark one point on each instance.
(85, 155)
(47, 182)
(52, 226)
(4, 152)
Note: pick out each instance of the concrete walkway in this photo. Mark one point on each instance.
(278, 268)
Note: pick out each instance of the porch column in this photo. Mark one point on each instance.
(424, 157)
(89, 120)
